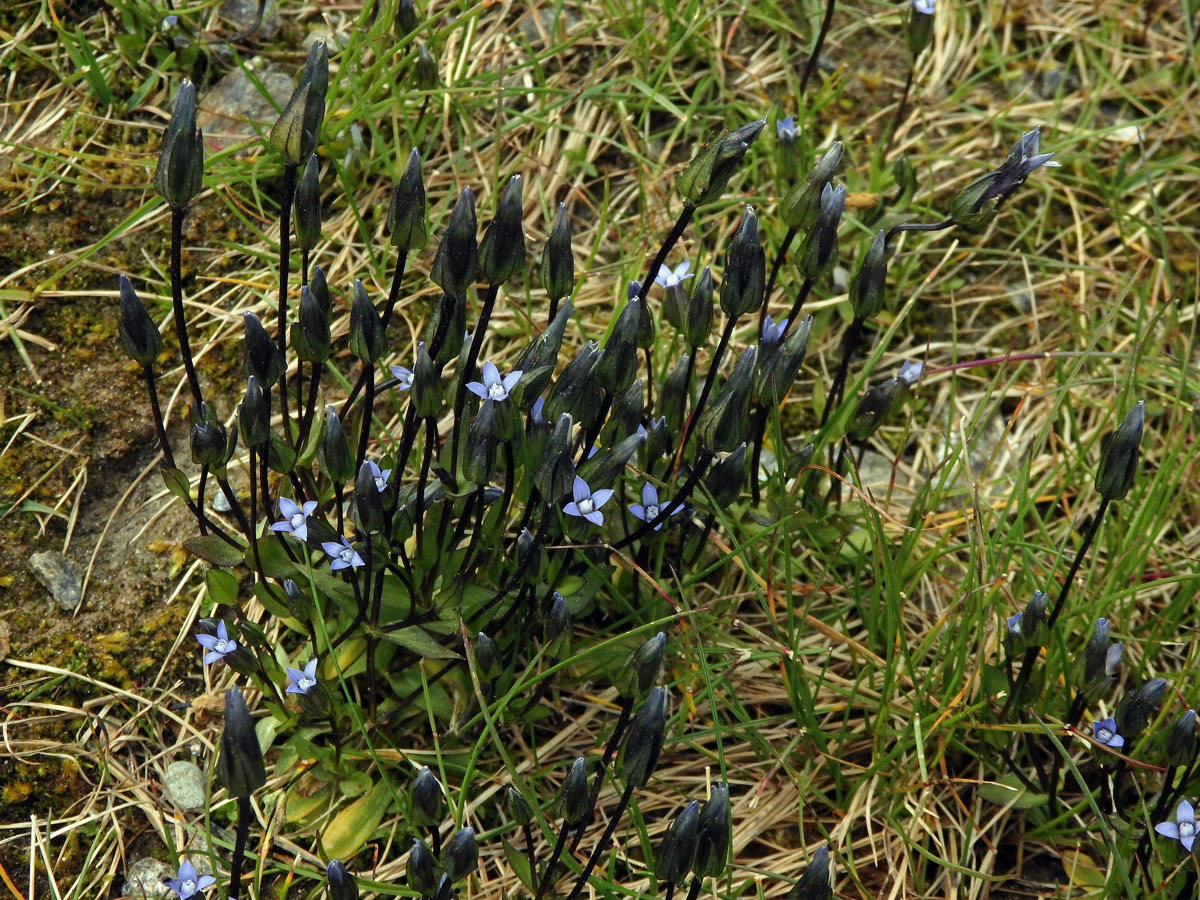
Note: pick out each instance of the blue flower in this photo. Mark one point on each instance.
(381, 478)
(785, 129)
(187, 883)
(910, 371)
(1183, 829)
(1014, 623)
(403, 376)
(535, 412)
(668, 279)
(341, 554)
(586, 504)
(772, 332)
(1105, 731)
(295, 518)
(649, 508)
(493, 387)
(924, 7)
(633, 289)
(217, 644)
(302, 682)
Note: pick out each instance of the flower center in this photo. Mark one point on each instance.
(1104, 735)
(496, 391)
(304, 683)
(1187, 829)
(651, 513)
(297, 520)
(586, 506)
(380, 483)
(347, 555)
(221, 646)
(189, 886)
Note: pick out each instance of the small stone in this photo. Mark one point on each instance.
(144, 880)
(241, 16)
(184, 783)
(220, 504)
(57, 574)
(243, 111)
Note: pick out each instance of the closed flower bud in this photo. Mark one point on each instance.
(426, 72)
(368, 501)
(641, 669)
(556, 471)
(1119, 455)
(777, 372)
(573, 801)
(487, 657)
(307, 209)
(820, 251)
(1093, 671)
(557, 270)
(658, 441)
(785, 132)
(263, 359)
(674, 304)
(482, 437)
(556, 631)
(426, 384)
(920, 26)
(208, 442)
(644, 740)
(979, 202)
(421, 869)
(333, 453)
(802, 205)
(537, 360)
(406, 212)
(574, 385)
(502, 250)
(342, 885)
(678, 847)
(725, 479)
(872, 409)
(672, 398)
(1032, 629)
(139, 335)
(518, 807)
(531, 557)
(706, 175)
(627, 410)
(297, 603)
(320, 291)
(1138, 708)
(1179, 742)
(722, 423)
(714, 832)
(745, 276)
(254, 415)
(866, 290)
(178, 175)
(240, 764)
(460, 856)
(405, 22)
(457, 257)
(297, 129)
(799, 460)
(616, 370)
(310, 331)
(814, 883)
(698, 321)
(426, 800)
(367, 340)
(602, 469)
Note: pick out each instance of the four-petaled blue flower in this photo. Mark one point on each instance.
(302, 682)
(1014, 623)
(649, 508)
(381, 478)
(217, 644)
(668, 279)
(772, 332)
(403, 376)
(785, 129)
(586, 503)
(341, 554)
(295, 518)
(1183, 829)
(187, 883)
(910, 371)
(1105, 731)
(924, 7)
(493, 387)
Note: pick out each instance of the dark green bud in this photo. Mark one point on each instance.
(1119, 455)
(307, 209)
(906, 181)
(297, 603)
(706, 175)
(460, 856)
(785, 132)
(745, 275)
(502, 250)
(297, 129)
(179, 173)
(603, 469)
(445, 889)
(698, 323)
(1031, 628)
(482, 437)
(975, 205)
(240, 765)
(802, 205)
(320, 291)
(367, 340)
(426, 800)
(1093, 672)
(542, 352)
(658, 440)
(724, 480)
(556, 630)
(672, 398)
(406, 212)
(333, 453)
(342, 885)
(556, 471)
(617, 368)
(799, 460)
(644, 740)
(777, 370)
(531, 557)
(678, 848)
(1138, 708)
(208, 442)
(405, 21)
(487, 657)
(628, 407)
(820, 251)
(814, 883)
(558, 262)
(574, 386)
(457, 257)
(1179, 743)
(722, 423)
(674, 304)
(426, 71)
(714, 833)
(453, 333)
(421, 869)
(872, 409)
(641, 669)
(518, 807)
(573, 801)
(920, 29)
(310, 331)
(254, 415)
(368, 501)
(866, 290)
(263, 359)
(139, 335)
(426, 384)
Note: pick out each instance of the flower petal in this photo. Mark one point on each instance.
(1168, 829)
(300, 532)
(331, 547)
(510, 380)
(649, 494)
(477, 389)
(595, 517)
(310, 506)
(1184, 812)
(601, 496)
(580, 490)
(310, 669)
(287, 507)
(637, 511)
(1187, 841)
(571, 509)
(491, 375)
(208, 641)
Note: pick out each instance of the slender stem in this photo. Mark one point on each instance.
(393, 296)
(776, 265)
(304, 266)
(849, 345)
(310, 405)
(916, 226)
(548, 878)
(185, 348)
(797, 305)
(711, 377)
(670, 891)
(815, 55)
(685, 216)
(758, 431)
(697, 882)
(285, 262)
(156, 411)
(476, 532)
(468, 372)
(435, 840)
(364, 431)
(426, 457)
(898, 114)
(245, 812)
(200, 499)
(610, 750)
(510, 477)
(649, 380)
(605, 840)
(528, 829)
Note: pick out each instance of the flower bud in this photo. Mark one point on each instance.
(714, 833)
(310, 331)
(542, 352)
(820, 252)
(602, 469)
(421, 869)
(208, 442)
(240, 765)
(368, 501)
(641, 669)
(698, 321)
(866, 290)
(722, 423)
(1138, 708)
(574, 385)
(1119, 455)
(873, 407)
(745, 276)
(426, 800)
(180, 169)
(426, 72)
(814, 883)
(405, 22)
(978, 203)
(785, 132)
(307, 208)
(139, 335)
(673, 396)
(628, 407)
(333, 453)
(426, 384)
(320, 291)
(726, 476)
(1030, 629)
(295, 132)
(556, 471)
(254, 415)
(367, 340)
(457, 257)
(644, 740)
(406, 212)
(617, 368)
(678, 848)
(482, 437)
(674, 304)
(799, 460)
(919, 30)
(1093, 672)
(297, 604)
(658, 441)
(532, 558)
(777, 372)
(706, 175)
(263, 359)
(460, 856)
(556, 630)
(518, 807)
(574, 801)
(342, 885)
(558, 262)
(802, 205)
(502, 250)
(1179, 742)
(487, 657)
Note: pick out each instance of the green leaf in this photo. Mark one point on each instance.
(316, 431)
(222, 585)
(271, 603)
(213, 550)
(177, 483)
(1009, 790)
(280, 457)
(354, 825)
(994, 680)
(420, 642)
(520, 864)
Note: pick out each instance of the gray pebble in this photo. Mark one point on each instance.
(58, 575)
(185, 784)
(144, 880)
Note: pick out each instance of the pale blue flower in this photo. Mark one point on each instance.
(785, 129)
(217, 645)
(1105, 731)
(187, 883)
(493, 387)
(772, 332)
(295, 518)
(924, 7)
(341, 554)
(302, 682)
(1014, 623)
(586, 503)
(403, 376)
(1183, 829)
(380, 478)
(649, 508)
(668, 279)
(910, 371)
